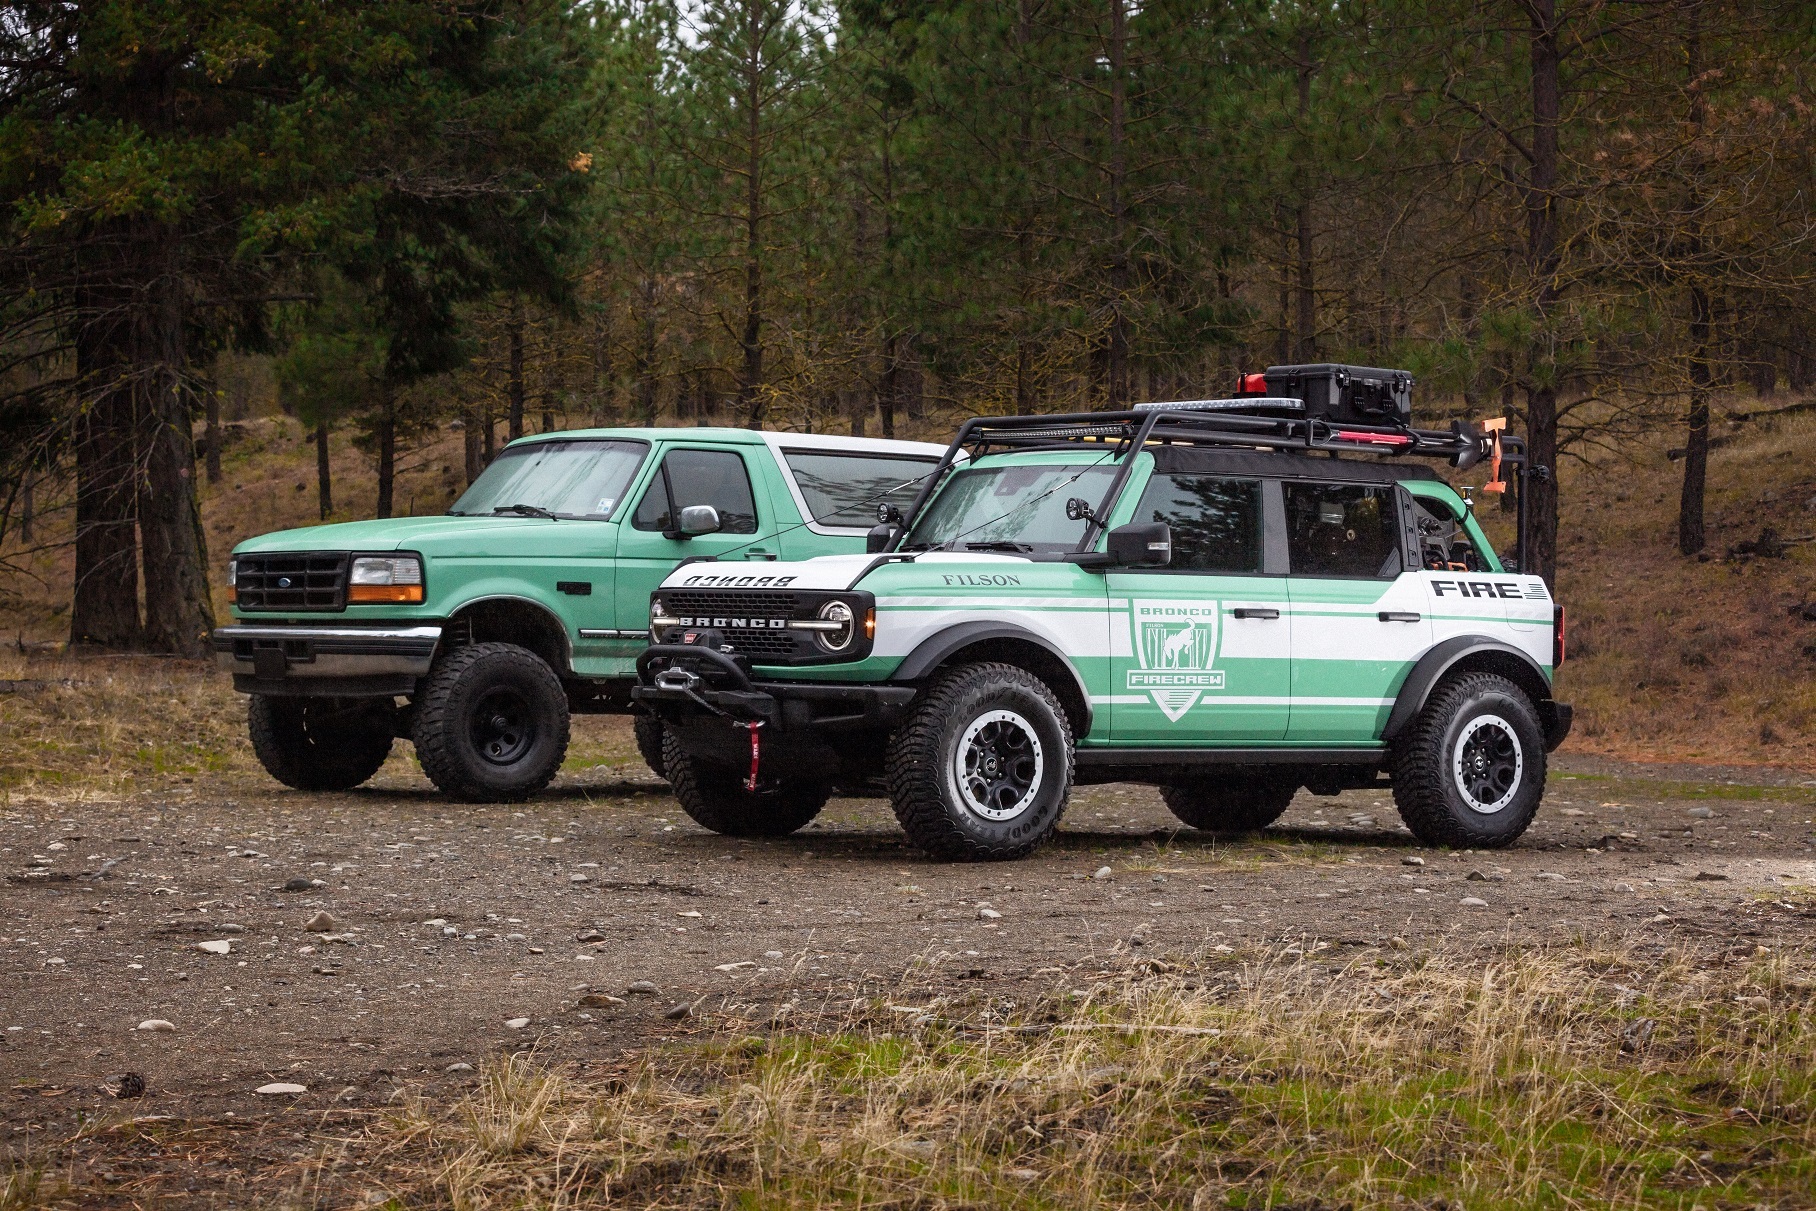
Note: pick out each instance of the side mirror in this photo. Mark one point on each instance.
(699, 519)
(878, 538)
(1140, 545)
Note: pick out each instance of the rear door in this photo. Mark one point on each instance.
(1206, 658)
(1359, 609)
(649, 546)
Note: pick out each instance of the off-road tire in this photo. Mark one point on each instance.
(714, 797)
(320, 744)
(1231, 801)
(649, 732)
(491, 724)
(1470, 716)
(922, 771)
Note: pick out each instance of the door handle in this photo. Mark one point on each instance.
(1398, 616)
(1253, 612)
(759, 553)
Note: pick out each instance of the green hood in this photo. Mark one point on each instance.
(448, 536)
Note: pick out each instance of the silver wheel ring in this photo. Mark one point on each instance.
(1456, 764)
(959, 776)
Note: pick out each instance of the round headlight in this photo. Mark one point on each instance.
(840, 639)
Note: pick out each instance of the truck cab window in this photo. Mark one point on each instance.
(699, 477)
(1444, 545)
(1342, 530)
(1216, 522)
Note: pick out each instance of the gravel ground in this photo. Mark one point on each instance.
(377, 941)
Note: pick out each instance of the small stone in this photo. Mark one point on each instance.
(643, 988)
(458, 1067)
(677, 1012)
(1397, 942)
(124, 1085)
(1702, 813)
(1476, 876)
(1623, 887)
(1473, 902)
(155, 1024)
(1550, 876)
(219, 946)
(1709, 876)
(772, 954)
(437, 922)
(1025, 1175)
(600, 1000)
(693, 914)
(342, 939)
(298, 884)
(515, 937)
(516, 1023)
(735, 966)
(276, 1088)
(535, 950)
(579, 878)
(988, 914)
(1572, 811)
(322, 922)
(1412, 860)
(590, 935)
(1102, 872)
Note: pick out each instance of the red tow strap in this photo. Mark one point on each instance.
(756, 756)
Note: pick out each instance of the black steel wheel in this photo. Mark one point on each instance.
(491, 724)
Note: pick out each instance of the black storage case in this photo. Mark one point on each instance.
(1349, 395)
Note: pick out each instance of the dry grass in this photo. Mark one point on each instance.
(1566, 1078)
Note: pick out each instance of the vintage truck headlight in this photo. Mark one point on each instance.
(385, 579)
(837, 637)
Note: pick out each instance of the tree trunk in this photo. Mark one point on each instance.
(644, 361)
(387, 450)
(27, 503)
(469, 441)
(211, 433)
(1542, 264)
(104, 606)
(1302, 219)
(1690, 536)
(750, 377)
(887, 384)
(324, 483)
(1116, 368)
(488, 433)
(515, 418)
(179, 609)
(1283, 342)
(548, 411)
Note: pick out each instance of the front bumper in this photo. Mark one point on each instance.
(1557, 717)
(326, 661)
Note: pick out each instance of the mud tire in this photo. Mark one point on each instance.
(714, 797)
(320, 744)
(491, 724)
(1435, 763)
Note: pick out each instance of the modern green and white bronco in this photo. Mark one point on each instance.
(1229, 599)
(476, 633)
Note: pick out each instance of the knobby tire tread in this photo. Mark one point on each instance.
(716, 800)
(432, 734)
(289, 757)
(1420, 766)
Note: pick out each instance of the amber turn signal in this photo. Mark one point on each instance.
(870, 623)
(384, 594)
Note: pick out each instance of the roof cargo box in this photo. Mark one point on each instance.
(1350, 395)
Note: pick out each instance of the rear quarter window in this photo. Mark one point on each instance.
(844, 488)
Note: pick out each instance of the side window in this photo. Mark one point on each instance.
(1342, 529)
(845, 489)
(1216, 523)
(699, 477)
(1444, 545)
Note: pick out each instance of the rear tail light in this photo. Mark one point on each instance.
(1558, 631)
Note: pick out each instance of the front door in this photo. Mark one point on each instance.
(649, 546)
(1205, 653)
(1359, 615)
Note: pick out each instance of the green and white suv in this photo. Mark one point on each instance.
(475, 634)
(1230, 600)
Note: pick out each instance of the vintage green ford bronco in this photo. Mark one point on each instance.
(527, 600)
(1231, 599)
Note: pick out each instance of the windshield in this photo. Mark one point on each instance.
(577, 479)
(1010, 508)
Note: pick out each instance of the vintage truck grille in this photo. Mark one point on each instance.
(292, 581)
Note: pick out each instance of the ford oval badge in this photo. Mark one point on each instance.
(283, 582)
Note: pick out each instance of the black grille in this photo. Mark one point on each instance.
(757, 644)
(300, 581)
(744, 605)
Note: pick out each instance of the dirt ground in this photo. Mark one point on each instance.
(462, 931)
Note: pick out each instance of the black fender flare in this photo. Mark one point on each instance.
(1440, 660)
(935, 649)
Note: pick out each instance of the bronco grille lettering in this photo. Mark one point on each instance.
(739, 582)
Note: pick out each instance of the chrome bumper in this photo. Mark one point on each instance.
(325, 660)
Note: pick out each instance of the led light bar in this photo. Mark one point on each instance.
(1245, 404)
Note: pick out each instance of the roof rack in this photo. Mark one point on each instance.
(1255, 422)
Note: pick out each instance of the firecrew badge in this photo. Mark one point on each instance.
(1175, 642)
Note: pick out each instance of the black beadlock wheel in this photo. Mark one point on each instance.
(649, 732)
(1232, 800)
(714, 797)
(320, 744)
(982, 768)
(1470, 770)
(491, 724)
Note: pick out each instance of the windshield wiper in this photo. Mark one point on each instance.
(528, 511)
(998, 545)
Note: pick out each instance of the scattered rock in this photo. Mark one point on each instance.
(154, 1024)
(988, 914)
(1709, 876)
(1413, 860)
(458, 1067)
(735, 966)
(298, 884)
(517, 1023)
(1702, 813)
(322, 922)
(578, 878)
(692, 914)
(590, 935)
(343, 939)
(437, 922)
(1637, 1034)
(772, 954)
(1102, 872)
(677, 1012)
(276, 1088)
(124, 1085)
(600, 1000)
(515, 937)
(1473, 902)
(1397, 942)
(1476, 876)
(218, 946)
(1024, 1175)
(643, 988)
(1550, 876)
(1623, 887)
